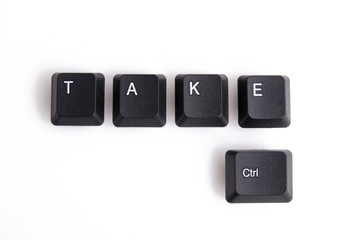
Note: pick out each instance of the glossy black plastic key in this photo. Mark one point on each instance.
(139, 100)
(77, 99)
(201, 100)
(264, 101)
(258, 176)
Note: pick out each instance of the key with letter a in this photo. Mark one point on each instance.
(139, 101)
(264, 101)
(77, 99)
(201, 100)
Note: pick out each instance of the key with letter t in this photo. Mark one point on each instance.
(77, 99)
(264, 101)
(201, 100)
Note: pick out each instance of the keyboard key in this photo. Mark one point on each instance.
(258, 176)
(139, 101)
(264, 101)
(201, 100)
(77, 99)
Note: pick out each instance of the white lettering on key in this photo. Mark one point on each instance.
(257, 89)
(68, 86)
(193, 88)
(131, 89)
(250, 173)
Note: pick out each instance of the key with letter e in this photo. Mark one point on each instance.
(264, 101)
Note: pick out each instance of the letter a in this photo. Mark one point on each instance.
(131, 89)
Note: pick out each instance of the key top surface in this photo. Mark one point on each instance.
(258, 176)
(264, 101)
(77, 99)
(201, 100)
(139, 100)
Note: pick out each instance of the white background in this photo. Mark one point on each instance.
(168, 183)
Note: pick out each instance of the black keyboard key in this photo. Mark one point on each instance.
(201, 100)
(139, 101)
(264, 101)
(77, 99)
(258, 176)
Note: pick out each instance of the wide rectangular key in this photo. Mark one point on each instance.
(77, 99)
(258, 176)
(264, 101)
(139, 100)
(201, 100)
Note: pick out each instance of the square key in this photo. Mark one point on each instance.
(258, 176)
(201, 100)
(139, 100)
(264, 101)
(77, 99)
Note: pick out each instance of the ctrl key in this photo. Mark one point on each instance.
(258, 176)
